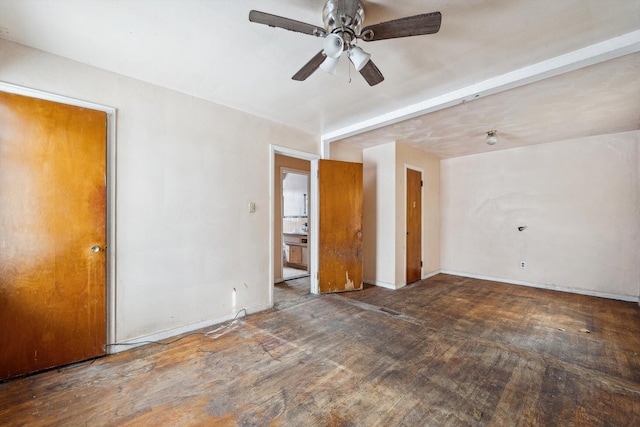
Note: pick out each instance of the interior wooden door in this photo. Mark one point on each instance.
(340, 226)
(52, 234)
(414, 225)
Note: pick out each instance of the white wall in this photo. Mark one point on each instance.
(186, 171)
(379, 215)
(578, 199)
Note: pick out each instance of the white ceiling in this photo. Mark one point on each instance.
(209, 49)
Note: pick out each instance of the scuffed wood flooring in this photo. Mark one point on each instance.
(446, 351)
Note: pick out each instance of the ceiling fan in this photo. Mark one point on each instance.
(343, 21)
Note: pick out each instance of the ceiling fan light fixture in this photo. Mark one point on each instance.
(333, 46)
(329, 65)
(358, 57)
(492, 137)
(343, 26)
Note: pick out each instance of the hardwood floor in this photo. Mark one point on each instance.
(290, 290)
(444, 351)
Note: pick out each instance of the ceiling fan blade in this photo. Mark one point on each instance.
(348, 8)
(286, 23)
(310, 67)
(371, 74)
(427, 23)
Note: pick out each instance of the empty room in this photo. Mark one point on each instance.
(320, 212)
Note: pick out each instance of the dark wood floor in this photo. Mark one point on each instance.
(447, 351)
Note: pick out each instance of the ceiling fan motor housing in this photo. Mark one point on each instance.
(348, 27)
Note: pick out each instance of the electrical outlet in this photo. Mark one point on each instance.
(252, 207)
(523, 264)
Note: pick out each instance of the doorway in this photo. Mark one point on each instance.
(295, 222)
(292, 255)
(343, 182)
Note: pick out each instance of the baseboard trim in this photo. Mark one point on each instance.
(396, 287)
(159, 336)
(544, 286)
(428, 275)
(381, 284)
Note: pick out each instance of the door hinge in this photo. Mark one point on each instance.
(420, 263)
(421, 183)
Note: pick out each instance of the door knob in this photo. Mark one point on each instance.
(95, 248)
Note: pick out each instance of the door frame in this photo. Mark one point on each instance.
(110, 225)
(404, 264)
(313, 212)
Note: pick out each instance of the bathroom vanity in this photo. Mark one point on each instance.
(296, 250)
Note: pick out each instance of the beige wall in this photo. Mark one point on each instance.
(578, 199)
(186, 172)
(385, 212)
(280, 162)
(345, 152)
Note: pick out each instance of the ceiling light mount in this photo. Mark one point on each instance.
(334, 17)
(492, 137)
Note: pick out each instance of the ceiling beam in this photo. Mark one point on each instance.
(590, 55)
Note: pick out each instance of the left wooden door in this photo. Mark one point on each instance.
(340, 193)
(52, 234)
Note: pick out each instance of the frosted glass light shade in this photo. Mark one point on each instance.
(358, 57)
(329, 65)
(333, 45)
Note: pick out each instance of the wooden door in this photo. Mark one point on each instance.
(414, 225)
(340, 223)
(52, 212)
